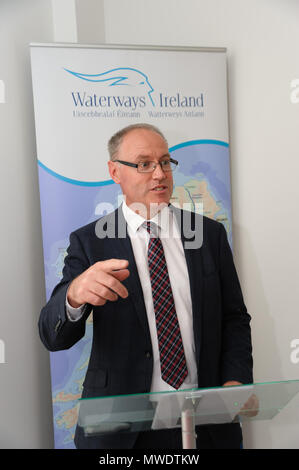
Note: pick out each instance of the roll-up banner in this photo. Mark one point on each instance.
(83, 95)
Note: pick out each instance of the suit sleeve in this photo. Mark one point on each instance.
(236, 354)
(56, 331)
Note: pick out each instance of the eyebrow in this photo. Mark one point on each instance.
(149, 158)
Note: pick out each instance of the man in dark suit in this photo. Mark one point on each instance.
(109, 269)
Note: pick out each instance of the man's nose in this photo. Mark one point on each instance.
(158, 172)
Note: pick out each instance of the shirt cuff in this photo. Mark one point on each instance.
(74, 314)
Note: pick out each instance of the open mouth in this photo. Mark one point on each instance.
(160, 189)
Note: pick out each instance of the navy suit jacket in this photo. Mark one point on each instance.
(121, 360)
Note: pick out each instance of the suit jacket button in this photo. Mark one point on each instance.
(148, 355)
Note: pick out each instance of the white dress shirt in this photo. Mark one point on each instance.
(179, 279)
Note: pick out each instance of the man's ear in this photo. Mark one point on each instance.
(114, 171)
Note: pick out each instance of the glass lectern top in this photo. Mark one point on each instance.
(141, 412)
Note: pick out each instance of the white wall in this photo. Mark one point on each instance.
(90, 21)
(262, 38)
(25, 385)
(25, 399)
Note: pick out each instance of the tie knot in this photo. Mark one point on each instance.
(151, 227)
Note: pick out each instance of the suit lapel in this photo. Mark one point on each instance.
(194, 265)
(122, 249)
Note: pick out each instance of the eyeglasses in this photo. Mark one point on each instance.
(148, 166)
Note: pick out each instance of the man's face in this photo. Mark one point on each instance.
(145, 188)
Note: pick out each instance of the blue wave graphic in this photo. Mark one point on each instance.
(196, 142)
(107, 182)
(72, 181)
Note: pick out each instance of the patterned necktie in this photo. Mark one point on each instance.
(172, 358)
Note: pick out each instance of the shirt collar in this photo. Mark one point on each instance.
(134, 221)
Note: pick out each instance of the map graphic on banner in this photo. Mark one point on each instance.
(81, 97)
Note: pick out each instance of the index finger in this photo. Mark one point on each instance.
(112, 283)
(113, 264)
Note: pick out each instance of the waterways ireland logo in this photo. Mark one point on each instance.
(127, 92)
(122, 80)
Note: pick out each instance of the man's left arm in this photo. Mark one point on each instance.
(236, 351)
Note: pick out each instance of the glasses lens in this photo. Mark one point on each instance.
(150, 166)
(168, 165)
(172, 166)
(146, 167)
